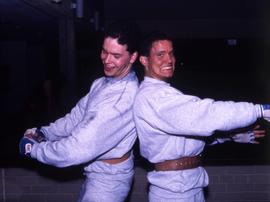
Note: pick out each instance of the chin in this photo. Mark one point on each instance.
(108, 73)
(168, 76)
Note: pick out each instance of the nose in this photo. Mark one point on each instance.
(169, 58)
(107, 58)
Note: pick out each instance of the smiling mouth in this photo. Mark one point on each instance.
(167, 68)
(108, 68)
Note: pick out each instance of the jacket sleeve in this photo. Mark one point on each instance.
(97, 133)
(180, 114)
(63, 126)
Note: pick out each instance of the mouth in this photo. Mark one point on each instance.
(167, 68)
(108, 68)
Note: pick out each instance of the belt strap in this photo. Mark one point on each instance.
(179, 164)
(117, 160)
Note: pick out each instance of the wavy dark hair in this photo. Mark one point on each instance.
(127, 32)
(149, 39)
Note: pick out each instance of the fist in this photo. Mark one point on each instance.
(35, 134)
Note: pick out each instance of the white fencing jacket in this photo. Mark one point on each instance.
(168, 123)
(100, 126)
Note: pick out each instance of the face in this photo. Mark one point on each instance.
(117, 61)
(160, 63)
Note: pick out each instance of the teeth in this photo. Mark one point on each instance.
(166, 68)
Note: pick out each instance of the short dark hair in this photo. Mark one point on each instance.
(149, 39)
(126, 32)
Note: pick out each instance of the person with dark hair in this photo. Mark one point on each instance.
(99, 131)
(172, 126)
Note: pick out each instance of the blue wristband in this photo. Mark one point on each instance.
(25, 146)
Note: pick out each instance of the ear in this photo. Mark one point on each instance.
(144, 61)
(133, 57)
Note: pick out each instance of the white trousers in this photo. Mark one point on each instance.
(177, 186)
(107, 182)
(199, 197)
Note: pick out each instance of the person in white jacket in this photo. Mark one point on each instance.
(171, 126)
(99, 131)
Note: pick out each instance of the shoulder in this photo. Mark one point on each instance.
(98, 81)
(127, 87)
(147, 94)
(156, 90)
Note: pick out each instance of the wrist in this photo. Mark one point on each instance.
(264, 108)
(40, 137)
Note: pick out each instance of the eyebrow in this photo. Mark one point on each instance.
(115, 54)
(163, 51)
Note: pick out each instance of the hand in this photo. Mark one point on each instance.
(266, 112)
(26, 145)
(35, 134)
(249, 136)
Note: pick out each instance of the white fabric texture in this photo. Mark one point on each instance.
(100, 126)
(106, 183)
(169, 122)
(197, 197)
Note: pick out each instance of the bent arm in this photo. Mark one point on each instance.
(63, 126)
(91, 138)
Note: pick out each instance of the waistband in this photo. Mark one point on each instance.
(182, 163)
(117, 160)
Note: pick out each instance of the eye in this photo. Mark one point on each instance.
(117, 56)
(160, 54)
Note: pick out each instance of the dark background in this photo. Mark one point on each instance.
(222, 50)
